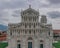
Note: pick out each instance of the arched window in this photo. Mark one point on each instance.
(25, 31)
(11, 33)
(29, 25)
(49, 32)
(41, 40)
(18, 41)
(29, 31)
(34, 25)
(30, 38)
(25, 26)
(34, 31)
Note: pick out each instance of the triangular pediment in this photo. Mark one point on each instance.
(30, 10)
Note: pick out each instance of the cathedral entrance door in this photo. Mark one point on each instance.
(29, 44)
(18, 46)
(41, 45)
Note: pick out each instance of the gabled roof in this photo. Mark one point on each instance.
(56, 31)
(3, 36)
(30, 10)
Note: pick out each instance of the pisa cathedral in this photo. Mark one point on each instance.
(30, 32)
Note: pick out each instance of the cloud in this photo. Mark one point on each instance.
(54, 14)
(10, 9)
(55, 23)
(54, 1)
(10, 16)
(16, 13)
(12, 4)
(37, 3)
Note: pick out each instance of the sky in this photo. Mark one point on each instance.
(10, 10)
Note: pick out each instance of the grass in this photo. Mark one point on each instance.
(56, 45)
(3, 44)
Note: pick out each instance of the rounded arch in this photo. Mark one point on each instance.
(41, 41)
(18, 41)
(30, 38)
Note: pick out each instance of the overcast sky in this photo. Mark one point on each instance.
(10, 10)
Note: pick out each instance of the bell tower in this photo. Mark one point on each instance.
(43, 19)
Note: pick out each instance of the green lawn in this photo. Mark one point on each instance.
(3, 45)
(57, 45)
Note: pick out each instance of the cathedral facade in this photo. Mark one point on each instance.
(30, 33)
